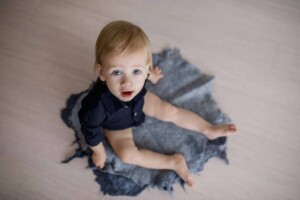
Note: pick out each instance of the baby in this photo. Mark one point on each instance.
(119, 100)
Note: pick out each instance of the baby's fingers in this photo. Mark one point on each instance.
(158, 70)
(99, 164)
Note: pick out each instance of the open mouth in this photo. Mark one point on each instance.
(127, 94)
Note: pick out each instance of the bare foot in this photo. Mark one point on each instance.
(155, 74)
(221, 131)
(182, 170)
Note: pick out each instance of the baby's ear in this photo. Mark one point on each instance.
(100, 72)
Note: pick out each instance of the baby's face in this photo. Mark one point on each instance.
(125, 74)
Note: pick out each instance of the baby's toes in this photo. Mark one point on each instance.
(232, 129)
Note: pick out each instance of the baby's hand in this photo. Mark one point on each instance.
(221, 131)
(155, 74)
(99, 159)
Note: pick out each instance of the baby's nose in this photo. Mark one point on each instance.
(126, 82)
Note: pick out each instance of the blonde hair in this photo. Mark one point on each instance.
(118, 37)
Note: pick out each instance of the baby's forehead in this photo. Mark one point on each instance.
(139, 57)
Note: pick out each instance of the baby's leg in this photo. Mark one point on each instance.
(184, 118)
(123, 145)
(189, 120)
(192, 121)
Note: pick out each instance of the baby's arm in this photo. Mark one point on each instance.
(155, 74)
(165, 111)
(90, 121)
(99, 155)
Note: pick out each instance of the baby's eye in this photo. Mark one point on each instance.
(137, 71)
(116, 72)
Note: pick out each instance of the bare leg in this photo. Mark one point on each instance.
(123, 145)
(189, 120)
(165, 111)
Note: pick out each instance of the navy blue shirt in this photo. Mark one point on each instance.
(101, 109)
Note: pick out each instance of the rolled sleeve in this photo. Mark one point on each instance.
(91, 125)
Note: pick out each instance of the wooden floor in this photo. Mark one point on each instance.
(252, 47)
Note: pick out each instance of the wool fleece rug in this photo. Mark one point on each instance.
(183, 85)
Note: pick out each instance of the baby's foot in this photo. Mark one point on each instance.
(221, 131)
(182, 170)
